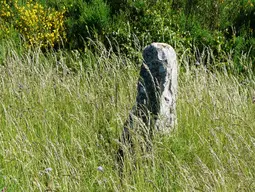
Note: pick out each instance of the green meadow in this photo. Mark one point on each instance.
(68, 77)
(60, 129)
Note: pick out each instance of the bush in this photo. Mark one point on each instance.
(37, 24)
(132, 24)
(85, 19)
(6, 15)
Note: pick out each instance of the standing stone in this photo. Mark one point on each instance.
(157, 86)
(155, 107)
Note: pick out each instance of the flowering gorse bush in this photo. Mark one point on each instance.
(38, 25)
(5, 11)
(5, 17)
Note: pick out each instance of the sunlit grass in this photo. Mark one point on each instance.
(59, 129)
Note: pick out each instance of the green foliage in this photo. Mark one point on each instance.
(36, 24)
(221, 24)
(140, 23)
(117, 5)
(62, 112)
(85, 19)
(127, 26)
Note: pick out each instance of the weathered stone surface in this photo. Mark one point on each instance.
(157, 86)
(155, 107)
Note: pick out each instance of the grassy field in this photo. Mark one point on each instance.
(59, 129)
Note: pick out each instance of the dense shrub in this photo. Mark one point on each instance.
(37, 24)
(223, 26)
(85, 18)
(6, 15)
(228, 17)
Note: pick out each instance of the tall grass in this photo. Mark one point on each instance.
(59, 129)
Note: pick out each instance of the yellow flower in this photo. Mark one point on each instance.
(38, 25)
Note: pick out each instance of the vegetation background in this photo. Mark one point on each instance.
(68, 81)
